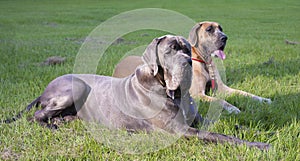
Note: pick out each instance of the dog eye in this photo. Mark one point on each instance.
(186, 50)
(209, 29)
(174, 46)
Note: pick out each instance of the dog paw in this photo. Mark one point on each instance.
(266, 100)
(263, 100)
(235, 111)
(231, 109)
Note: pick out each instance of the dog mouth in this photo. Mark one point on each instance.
(172, 86)
(219, 53)
(176, 79)
(171, 93)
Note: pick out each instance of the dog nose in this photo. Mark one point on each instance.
(224, 38)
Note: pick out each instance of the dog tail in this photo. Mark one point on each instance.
(19, 115)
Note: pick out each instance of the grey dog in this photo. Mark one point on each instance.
(155, 96)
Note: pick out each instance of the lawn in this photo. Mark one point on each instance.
(258, 61)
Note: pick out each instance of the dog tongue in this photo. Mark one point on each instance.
(220, 54)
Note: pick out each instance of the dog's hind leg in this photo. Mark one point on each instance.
(60, 98)
(52, 108)
(221, 138)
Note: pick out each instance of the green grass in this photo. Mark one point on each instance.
(31, 31)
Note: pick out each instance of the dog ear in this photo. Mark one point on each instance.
(183, 42)
(193, 36)
(150, 56)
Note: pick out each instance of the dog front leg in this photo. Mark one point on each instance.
(223, 88)
(230, 91)
(226, 106)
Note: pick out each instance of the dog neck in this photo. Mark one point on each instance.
(198, 60)
(197, 55)
(201, 58)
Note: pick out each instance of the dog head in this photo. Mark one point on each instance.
(208, 38)
(170, 57)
